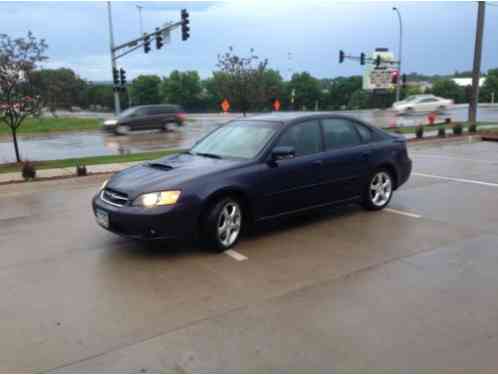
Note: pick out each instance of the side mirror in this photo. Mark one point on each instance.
(283, 152)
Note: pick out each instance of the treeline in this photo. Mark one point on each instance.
(247, 83)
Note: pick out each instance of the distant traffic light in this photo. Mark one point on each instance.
(185, 25)
(147, 44)
(159, 39)
(362, 59)
(115, 76)
(122, 76)
(341, 56)
(377, 61)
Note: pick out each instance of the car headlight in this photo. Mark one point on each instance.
(104, 184)
(110, 122)
(161, 198)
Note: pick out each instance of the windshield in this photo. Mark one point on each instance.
(238, 139)
(127, 112)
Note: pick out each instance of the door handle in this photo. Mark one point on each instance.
(365, 155)
(317, 163)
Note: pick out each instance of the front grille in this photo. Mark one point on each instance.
(113, 197)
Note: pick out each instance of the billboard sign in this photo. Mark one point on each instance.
(379, 77)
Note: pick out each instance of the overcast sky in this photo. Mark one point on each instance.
(438, 37)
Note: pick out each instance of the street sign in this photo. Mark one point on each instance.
(379, 71)
(225, 105)
(276, 105)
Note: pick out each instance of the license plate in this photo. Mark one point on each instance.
(102, 218)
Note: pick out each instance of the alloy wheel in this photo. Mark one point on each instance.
(380, 189)
(229, 224)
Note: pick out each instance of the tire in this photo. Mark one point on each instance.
(222, 224)
(376, 198)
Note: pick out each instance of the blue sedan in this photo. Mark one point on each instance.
(251, 170)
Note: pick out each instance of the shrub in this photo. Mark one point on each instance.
(81, 170)
(28, 170)
(441, 132)
(419, 132)
(457, 129)
(472, 128)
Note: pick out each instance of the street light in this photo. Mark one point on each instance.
(400, 50)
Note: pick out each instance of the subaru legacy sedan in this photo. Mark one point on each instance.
(251, 170)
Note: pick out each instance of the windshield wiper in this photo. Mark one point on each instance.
(208, 155)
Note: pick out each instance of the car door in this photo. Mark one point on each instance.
(293, 184)
(428, 104)
(345, 160)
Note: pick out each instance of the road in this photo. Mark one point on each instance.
(410, 288)
(80, 144)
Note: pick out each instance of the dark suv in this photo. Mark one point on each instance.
(146, 117)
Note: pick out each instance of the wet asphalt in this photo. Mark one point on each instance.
(64, 145)
(411, 288)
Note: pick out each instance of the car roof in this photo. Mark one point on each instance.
(288, 117)
(158, 106)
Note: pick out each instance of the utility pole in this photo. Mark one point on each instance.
(117, 105)
(400, 52)
(139, 7)
(477, 63)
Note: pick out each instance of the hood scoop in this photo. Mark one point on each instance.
(161, 166)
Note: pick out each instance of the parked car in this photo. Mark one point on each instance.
(422, 103)
(252, 170)
(146, 117)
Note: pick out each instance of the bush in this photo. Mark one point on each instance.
(472, 128)
(81, 170)
(419, 132)
(457, 129)
(441, 132)
(28, 170)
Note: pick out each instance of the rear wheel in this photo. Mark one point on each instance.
(222, 224)
(379, 190)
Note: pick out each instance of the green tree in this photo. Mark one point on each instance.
(490, 86)
(60, 88)
(307, 90)
(240, 80)
(447, 88)
(18, 97)
(360, 99)
(145, 90)
(182, 88)
(338, 91)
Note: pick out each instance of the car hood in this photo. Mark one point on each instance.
(168, 172)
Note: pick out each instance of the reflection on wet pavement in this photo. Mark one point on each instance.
(81, 144)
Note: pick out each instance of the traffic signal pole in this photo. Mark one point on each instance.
(400, 52)
(477, 64)
(117, 104)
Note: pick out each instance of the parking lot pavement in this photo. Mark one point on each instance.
(413, 287)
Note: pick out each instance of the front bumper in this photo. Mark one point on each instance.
(177, 221)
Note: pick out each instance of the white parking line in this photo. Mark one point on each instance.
(235, 255)
(452, 158)
(409, 214)
(463, 180)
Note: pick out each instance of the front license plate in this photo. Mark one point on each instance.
(102, 218)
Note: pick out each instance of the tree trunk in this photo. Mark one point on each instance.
(16, 146)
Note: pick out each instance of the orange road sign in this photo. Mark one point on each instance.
(276, 105)
(225, 105)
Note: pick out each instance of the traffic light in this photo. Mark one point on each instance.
(122, 76)
(159, 39)
(362, 58)
(115, 76)
(147, 44)
(341, 56)
(185, 25)
(377, 61)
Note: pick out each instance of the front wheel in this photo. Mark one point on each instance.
(223, 224)
(379, 190)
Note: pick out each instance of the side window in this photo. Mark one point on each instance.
(365, 133)
(339, 133)
(304, 137)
